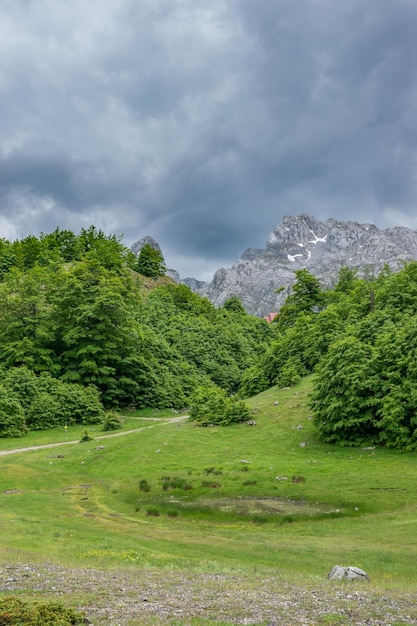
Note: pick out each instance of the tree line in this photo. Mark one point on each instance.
(79, 324)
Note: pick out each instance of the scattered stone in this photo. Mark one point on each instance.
(339, 572)
(136, 595)
(303, 444)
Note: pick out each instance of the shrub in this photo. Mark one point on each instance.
(92, 411)
(111, 421)
(254, 381)
(212, 405)
(86, 436)
(291, 373)
(12, 416)
(151, 512)
(16, 612)
(176, 483)
(43, 412)
(77, 404)
(144, 485)
(212, 470)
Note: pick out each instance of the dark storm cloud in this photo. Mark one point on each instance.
(203, 124)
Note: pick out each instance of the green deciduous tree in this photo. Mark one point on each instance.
(150, 262)
(396, 347)
(24, 383)
(345, 397)
(234, 305)
(101, 338)
(291, 372)
(8, 258)
(26, 327)
(306, 297)
(253, 381)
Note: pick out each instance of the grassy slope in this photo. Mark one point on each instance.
(351, 507)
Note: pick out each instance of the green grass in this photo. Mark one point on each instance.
(241, 498)
(130, 421)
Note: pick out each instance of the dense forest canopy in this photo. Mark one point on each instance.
(360, 340)
(77, 314)
(85, 327)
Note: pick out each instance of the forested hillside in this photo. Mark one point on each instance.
(360, 339)
(85, 326)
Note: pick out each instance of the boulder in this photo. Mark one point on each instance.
(347, 573)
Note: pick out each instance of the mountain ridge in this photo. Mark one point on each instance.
(303, 241)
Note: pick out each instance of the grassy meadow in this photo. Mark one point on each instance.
(267, 498)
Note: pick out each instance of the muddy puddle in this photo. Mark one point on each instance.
(259, 506)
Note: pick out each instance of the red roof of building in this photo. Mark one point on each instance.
(270, 317)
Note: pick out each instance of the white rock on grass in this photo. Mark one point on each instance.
(347, 573)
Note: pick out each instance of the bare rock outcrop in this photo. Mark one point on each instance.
(322, 247)
(339, 572)
(262, 278)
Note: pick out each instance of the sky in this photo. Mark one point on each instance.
(202, 123)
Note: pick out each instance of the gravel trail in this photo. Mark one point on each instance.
(141, 596)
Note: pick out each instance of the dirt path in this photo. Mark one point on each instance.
(159, 420)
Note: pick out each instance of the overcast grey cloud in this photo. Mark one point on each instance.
(203, 123)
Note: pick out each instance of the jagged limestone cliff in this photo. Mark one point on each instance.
(323, 247)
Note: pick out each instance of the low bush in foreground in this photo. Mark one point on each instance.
(16, 612)
(212, 405)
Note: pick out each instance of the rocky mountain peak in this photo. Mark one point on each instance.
(147, 240)
(137, 247)
(323, 247)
